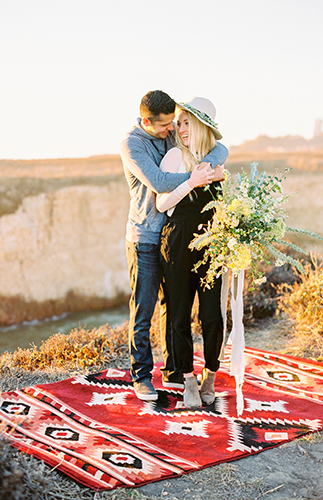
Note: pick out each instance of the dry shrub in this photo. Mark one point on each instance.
(22, 477)
(79, 349)
(303, 303)
(261, 302)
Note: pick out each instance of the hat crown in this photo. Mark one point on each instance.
(203, 105)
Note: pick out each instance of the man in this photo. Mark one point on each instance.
(142, 151)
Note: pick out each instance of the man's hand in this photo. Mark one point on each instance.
(201, 176)
(217, 173)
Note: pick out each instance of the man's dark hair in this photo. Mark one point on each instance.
(154, 103)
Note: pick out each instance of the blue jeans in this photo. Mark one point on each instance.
(146, 285)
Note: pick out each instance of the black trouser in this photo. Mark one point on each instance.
(181, 284)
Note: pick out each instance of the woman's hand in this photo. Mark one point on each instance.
(203, 174)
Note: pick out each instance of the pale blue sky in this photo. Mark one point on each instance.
(73, 71)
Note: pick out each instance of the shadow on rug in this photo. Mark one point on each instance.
(95, 430)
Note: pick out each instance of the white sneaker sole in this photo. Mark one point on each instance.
(146, 397)
(151, 397)
(173, 385)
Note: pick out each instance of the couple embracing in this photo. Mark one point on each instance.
(167, 166)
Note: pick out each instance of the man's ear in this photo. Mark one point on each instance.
(146, 122)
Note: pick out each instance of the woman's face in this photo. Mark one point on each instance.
(183, 127)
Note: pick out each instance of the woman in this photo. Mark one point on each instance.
(196, 135)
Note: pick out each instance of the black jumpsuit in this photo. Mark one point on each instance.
(181, 283)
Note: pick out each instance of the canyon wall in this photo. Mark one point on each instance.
(64, 250)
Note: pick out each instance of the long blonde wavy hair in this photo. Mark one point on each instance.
(201, 141)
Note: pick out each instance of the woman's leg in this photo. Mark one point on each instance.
(212, 324)
(180, 286)
(212, 331)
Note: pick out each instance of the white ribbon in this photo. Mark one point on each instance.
(224, 306)
(236, 338)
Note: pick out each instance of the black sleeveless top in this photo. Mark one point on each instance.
(188, 210)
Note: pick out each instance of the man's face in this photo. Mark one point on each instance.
(160, 127)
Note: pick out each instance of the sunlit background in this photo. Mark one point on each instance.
(73, 71)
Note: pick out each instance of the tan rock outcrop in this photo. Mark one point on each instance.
(66, 241)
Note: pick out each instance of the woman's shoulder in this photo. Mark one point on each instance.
(172, 160)
(174, 153)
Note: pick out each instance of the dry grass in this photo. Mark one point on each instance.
(80, 349)
(303, 303)
(23, 477)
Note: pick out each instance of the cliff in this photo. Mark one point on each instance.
(62, 226)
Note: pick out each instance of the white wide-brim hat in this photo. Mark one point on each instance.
(203, 110)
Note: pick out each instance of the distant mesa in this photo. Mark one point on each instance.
(288, 143)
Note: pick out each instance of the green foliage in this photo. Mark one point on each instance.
(248, 220)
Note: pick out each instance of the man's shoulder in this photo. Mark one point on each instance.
(135, 136)
(222, 147)
(222, 151)
(133, 140)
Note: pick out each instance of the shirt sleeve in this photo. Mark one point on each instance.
(171, 163)
(218, 155)
(137, 160)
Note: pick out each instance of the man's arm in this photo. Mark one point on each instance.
(136, 159)
(217, 156)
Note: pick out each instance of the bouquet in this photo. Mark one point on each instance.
(247, 222)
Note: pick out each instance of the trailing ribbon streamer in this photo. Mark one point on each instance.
(224, 306)
(236, 338)
(237, 367)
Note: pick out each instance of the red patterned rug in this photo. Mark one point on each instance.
(94, 429)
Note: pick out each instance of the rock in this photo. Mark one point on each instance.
(67, 241)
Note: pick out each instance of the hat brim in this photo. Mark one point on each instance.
(209, 123)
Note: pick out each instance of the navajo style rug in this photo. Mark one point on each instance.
(94, 429)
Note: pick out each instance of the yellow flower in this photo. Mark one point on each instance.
(234, 205)
(241, 207)
(240, 258)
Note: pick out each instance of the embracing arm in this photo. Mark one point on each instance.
(171, 163)
(137, 161)
(217, 156)
(199, 177)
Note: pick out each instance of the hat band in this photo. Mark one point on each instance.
(200, 114)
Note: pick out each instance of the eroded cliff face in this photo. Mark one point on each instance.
(64, 249)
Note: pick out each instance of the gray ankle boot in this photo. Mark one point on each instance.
(207, 387)
(191, 393)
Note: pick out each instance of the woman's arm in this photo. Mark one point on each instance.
(199, 177)
(171, 163)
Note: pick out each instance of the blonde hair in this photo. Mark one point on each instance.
(201, 141)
